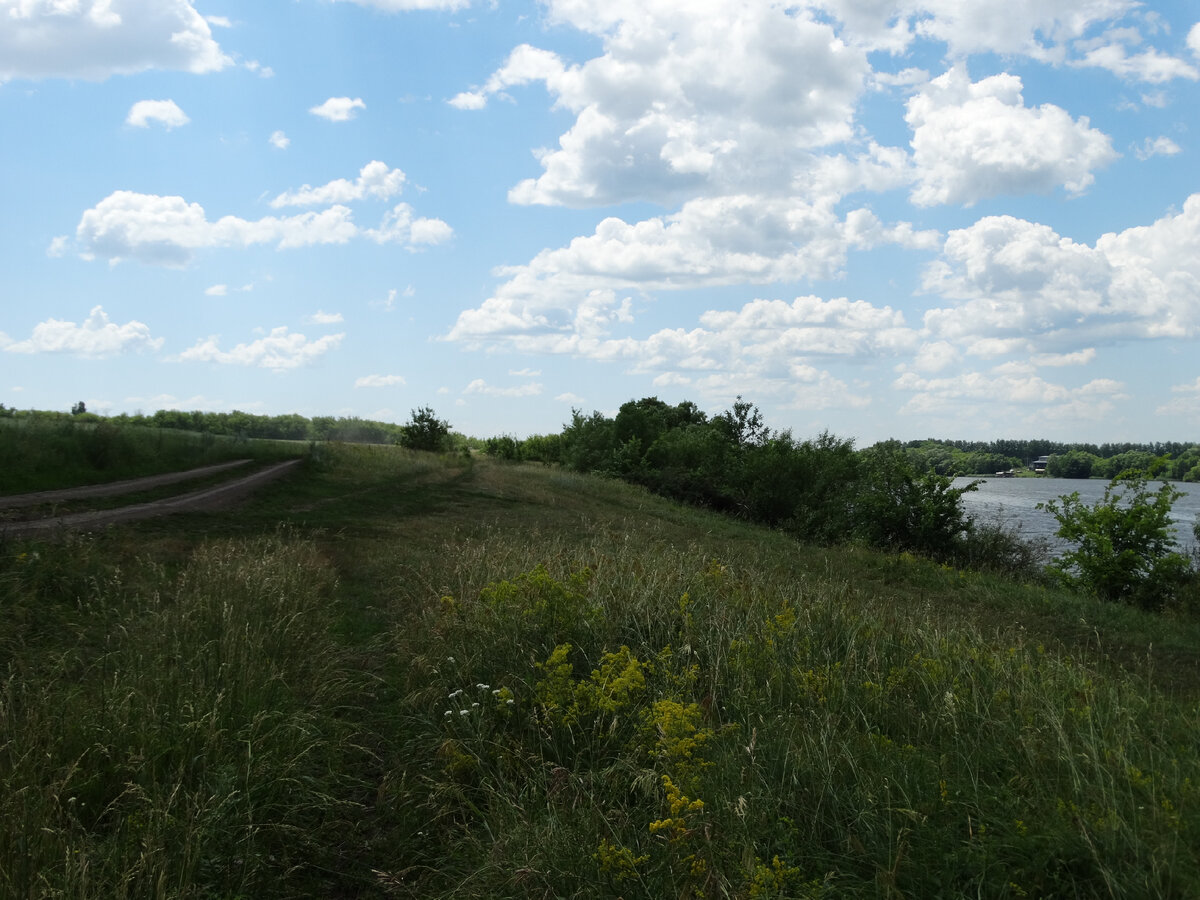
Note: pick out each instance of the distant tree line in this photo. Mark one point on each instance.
(423, 431)
(1173, 460)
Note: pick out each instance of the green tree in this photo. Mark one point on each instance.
(1124, 547)
(1072, 464)
(79, 408)
(425, 431)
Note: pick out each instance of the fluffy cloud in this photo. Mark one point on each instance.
(338, 109)
(1010, 395)
(97, 38)
(374, 180)
(1186, 403)
(1025, 288)
(378, 381)
(1041, 29)
(165, 112)
(408, 5)
(96, 336)
(321, 317)
(1159, 146)
(1111, 52)
(1193, 39)
(479, 386)
(768, 348)
(167, 230)
(279, 140)
(399, 226)
(708, 96)
(976, 140)
(279, 350)
(718, 241)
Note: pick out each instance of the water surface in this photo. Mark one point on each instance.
(1014, 502)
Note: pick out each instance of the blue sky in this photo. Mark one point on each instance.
(881, 218)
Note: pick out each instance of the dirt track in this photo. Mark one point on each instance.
(208, 498)
(129, 486)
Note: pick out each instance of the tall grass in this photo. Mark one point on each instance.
(44, 454)
(188, 742)
(664, 724)
(468, 680)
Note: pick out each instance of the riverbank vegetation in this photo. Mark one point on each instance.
(400, 674)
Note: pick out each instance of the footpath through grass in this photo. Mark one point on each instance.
(399, 675)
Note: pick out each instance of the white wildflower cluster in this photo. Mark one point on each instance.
(466, 706)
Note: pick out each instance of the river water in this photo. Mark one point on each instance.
(1014, 502)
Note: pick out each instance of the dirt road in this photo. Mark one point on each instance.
(208, 498)
(113, 488)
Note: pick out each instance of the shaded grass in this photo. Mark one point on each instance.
(39, 455)
(239, 710)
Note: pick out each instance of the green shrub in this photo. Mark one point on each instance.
(1124, 549)
(425, 431)
(895, 508)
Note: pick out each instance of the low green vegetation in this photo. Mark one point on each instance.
(1123, 549)
(46, 452)
(400, 674)
(819, 490)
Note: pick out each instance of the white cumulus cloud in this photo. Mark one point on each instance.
(685, 97)
(374, 180)
(279, 350)
(279, 140)
(976, 140)
(1023, 287)
(165, 112)
(320, 317)
(96, 336)
(479, 386)
(583, 287)
(378, 381)
(95, 39)
(168, 230)
(409, 5)
(1159, 146)
(338, 109)
(1111, 51)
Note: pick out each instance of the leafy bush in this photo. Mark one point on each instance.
(425, 431)
(503, 446)
(1124, 549)
(896, 508)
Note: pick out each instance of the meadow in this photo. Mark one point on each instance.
(400, 674)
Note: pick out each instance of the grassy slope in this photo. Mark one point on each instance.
(227, 706)
(41, 455)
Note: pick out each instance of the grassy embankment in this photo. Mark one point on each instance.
(438, 678)
(41, 455)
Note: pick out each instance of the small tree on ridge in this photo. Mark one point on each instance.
(425, 431)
